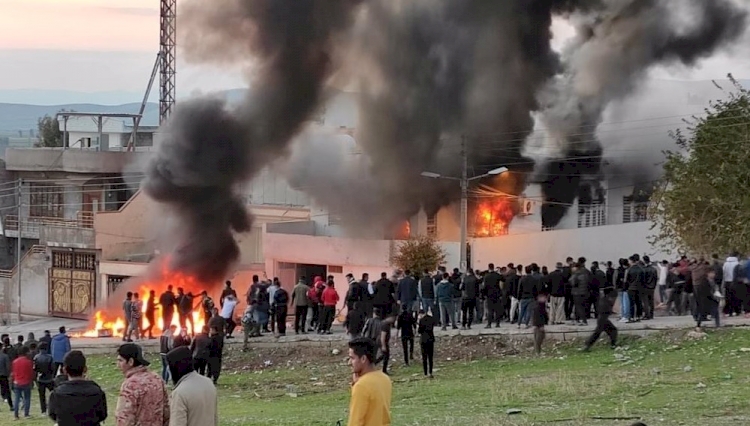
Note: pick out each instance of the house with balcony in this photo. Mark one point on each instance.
(55, 195)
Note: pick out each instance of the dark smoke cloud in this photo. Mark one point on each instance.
(618, 42)
(209, 149)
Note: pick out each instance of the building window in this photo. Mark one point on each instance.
(592, 215)
(333, 269)
(432, 225)
(634, 211)
(333, 219)
(46, 200)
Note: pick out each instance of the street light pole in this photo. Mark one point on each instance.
(464, 203)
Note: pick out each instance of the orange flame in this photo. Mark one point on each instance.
(111, 320)
(493, 217)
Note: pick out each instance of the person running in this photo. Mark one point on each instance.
(194, 397)
(143, 399)
(371, 389)
(406, 325)
(77, 401)
(384, 340)
(426, 328)
(227, 313)
(44, 367)
(603, 324)
(22, 371)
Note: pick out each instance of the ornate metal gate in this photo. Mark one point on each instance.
(72, 284)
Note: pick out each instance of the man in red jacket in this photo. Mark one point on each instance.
(329, 299)
(22, 372)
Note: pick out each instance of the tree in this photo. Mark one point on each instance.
(49, 132)
(703, 205)
(417, 254)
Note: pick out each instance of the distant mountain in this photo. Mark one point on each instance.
(62, 97)
(20, 117)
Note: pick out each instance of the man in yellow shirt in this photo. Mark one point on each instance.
(371, 389)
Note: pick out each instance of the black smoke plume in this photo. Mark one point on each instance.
(209, 148)
(617, 43)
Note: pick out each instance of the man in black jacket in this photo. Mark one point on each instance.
(384, 295)
(168, 303)
(511, 289)
(579, 290)
(634, 278)
(44, 367)
(427, 292)
(567, 272)
(200, 350)
(603, 324)
(528, 289)
(651, 278)
(469, 294)
(557, 295)
(407, 294)
(598, 282)
(494, 296)
(77, 401)
(366, 295)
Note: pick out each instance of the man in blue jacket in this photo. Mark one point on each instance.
(60, 347)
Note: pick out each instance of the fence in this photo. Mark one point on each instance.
(6, 284)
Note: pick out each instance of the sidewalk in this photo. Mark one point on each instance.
(558, 332)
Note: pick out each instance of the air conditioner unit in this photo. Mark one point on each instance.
(526, 207)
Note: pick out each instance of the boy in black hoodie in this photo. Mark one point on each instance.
(406, 326)
(77, 401)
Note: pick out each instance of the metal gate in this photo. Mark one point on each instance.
(72, 284)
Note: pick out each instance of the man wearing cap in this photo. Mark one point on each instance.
(143, 399)
(194, 397)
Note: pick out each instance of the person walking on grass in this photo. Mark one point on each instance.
(5, 371)
(538, 318)
(603, 323)
(44, 367)
(143, 399)
(406, 325)
(22, 371)
(426, 330)
(60, 346)
(194, 397)
(77, 401)
(371, 389)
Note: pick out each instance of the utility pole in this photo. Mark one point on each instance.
(464, 202)
(18, 250)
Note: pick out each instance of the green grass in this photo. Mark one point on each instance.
(656, 378)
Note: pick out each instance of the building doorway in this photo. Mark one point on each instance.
(311, 271)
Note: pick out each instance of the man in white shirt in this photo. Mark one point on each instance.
(227, 312)
(663, 271)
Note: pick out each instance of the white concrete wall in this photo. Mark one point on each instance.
(600, 243)
(34, 286)
(126, 269)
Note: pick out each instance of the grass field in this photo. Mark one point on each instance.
(666, 380)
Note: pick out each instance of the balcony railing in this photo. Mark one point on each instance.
(32, 224)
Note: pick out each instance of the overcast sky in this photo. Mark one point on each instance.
(110, 45)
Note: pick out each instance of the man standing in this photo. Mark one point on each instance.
(651, 277)
(538, 314)
(579, 284)
(634, 278)
(185, 310)
(300, 303)
(60, 346)
(469, 293)
(406, 325)
(271, 306)
(194, 397)
(455, 280)
(425, 328)
(143, 399)
(280, 301)
(200, 351)
(167, 302)
(329, 299)
(44, 367)
(664, 275)
(557, 295)
(385, 340)
(371, 389)
(136, 308)
(207, 306)
(408, 294)
(166, 344)
(731, 269)
(528, 290)
(384, 294)
(366, 291)
(150, 314)
(22, 371)
(494, 295)
(427, 292)
(215, 354)
(598, 282)
(567, 272)
(127, 312)
(77, 401)
(444, 293)
(5, 370)
(353, 292)
(512, 283)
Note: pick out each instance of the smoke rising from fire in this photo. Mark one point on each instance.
(209, 148)
(431, 71)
